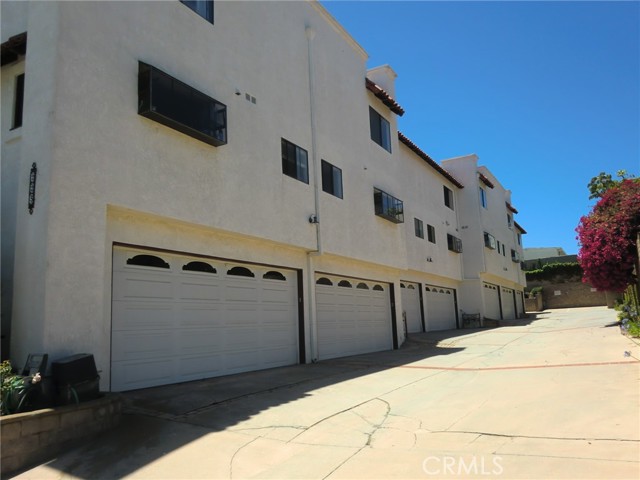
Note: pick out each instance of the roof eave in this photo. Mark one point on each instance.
(380, 93)
(412, 146)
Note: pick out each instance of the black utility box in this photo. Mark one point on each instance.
(76, 378)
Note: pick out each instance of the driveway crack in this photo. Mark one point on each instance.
(539, 437)
(236, 453)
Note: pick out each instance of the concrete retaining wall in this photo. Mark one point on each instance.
(32, 437)
(533, 304)
(569, 295)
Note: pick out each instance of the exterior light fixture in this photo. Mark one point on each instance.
(32, 187)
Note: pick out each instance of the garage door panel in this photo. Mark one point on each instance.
(209, 292)
(278, 337)
(277, 293)
(199, 341)
(441, 308)
(491, 301)
(144, 374)
(206, 320)
(333, 350)
(351, 318)
(240, 294)
(141, 287)
(200, 315)
(241, 312)
(143, 345)
(136, 316)
(410, 296)
(508, 305)
(240, 337)
(344, 300)
(326, 338)
(196, 367)
(242, 360)
(276, 297)
(277, 317)
(272, 357)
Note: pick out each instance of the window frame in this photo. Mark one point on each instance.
(489, 241)
(380, 129)
(330, 174)
(418, 227)
(18, 101)
(431, 234)
(483, 198)
(301, 173)
(194, 4)
(448, 197)
(181, 107)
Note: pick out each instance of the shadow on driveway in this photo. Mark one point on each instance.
(160, 420)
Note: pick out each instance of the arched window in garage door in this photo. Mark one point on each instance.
(241, 272)
(273, 275)
(148, 261)
(199, 267)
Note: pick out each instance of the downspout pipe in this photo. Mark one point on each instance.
(315, 219)
(317, 174)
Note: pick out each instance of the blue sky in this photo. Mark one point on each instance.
(547, 94)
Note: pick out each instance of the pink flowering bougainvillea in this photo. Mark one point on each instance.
(607, 237)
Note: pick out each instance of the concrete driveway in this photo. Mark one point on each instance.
(553, 396)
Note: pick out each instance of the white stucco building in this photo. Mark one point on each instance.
(193, 189)
(543, 252)
(493, 280)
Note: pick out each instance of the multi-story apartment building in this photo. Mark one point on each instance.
(193, 189)
(493, 280)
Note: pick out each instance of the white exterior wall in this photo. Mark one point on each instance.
(97, 156)
(35, 138)
(108, 175)
(423, 198)
(482, 264)
(11, 144)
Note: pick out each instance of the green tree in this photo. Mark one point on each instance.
(604, 181)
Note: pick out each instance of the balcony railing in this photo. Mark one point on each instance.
(177, 105)
(454, 243)
(388, 206)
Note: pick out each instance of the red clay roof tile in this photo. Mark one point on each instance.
(385, 97)
(428, 159)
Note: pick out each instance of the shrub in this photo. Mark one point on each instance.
(535, 291)
(607, 237)
(629, 312)
(16, 389)
(12, 385)
(555, 270)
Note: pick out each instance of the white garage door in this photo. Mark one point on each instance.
(508, 304)
(353, 316)
(441, 308)
(178, 318)
(519, 304)
(491, 301)
(410, 295)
